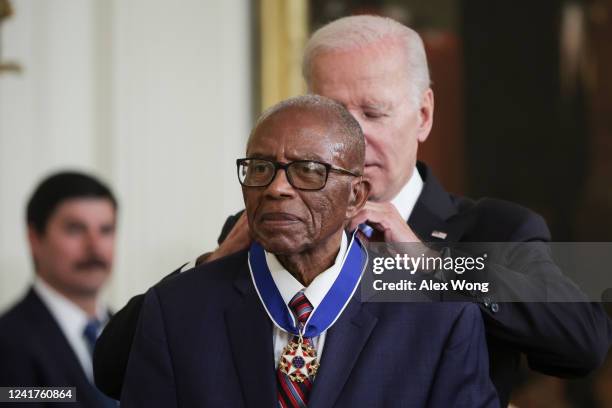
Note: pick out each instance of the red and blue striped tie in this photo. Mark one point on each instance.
(293, 394)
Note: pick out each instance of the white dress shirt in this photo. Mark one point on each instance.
(406, 199)
(288, 286)
(71, 320)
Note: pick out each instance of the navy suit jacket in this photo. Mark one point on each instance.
(205, 340)
(35, 353)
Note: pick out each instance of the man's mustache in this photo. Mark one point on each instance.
(91, 263)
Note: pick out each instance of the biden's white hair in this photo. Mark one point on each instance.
(354, 32)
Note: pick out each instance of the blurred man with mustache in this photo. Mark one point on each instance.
(47, 338)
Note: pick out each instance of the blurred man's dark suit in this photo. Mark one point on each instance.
(34, 352)
(561, 339)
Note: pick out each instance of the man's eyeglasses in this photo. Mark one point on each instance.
(301, 174)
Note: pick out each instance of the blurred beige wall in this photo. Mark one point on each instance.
(154, 96)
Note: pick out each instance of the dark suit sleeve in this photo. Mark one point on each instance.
(149, 378)
(113, 346)
(463, 370)
(561, 333)
(112, 349)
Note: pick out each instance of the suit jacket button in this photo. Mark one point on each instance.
(494, 307)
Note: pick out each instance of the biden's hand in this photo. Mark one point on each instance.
(386, 221)
(237, 240)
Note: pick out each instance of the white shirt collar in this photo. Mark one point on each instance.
(70, 316)
(288, 286)
(71, 320)
(406, 199)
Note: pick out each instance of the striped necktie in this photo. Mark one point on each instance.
(291, 393)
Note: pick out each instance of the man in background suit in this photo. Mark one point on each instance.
(47, 338)
(377, 69)
(222, 335)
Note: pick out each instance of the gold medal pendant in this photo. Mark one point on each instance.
(299, 360)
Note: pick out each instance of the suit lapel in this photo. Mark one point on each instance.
(432, 217)
(343, 344)
(250, 335)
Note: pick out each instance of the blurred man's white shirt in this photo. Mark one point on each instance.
(71, 320)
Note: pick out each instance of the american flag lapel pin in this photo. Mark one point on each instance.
(439, 234)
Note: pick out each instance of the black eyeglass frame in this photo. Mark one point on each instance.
(284, 166)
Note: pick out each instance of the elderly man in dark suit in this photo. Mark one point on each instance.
(377, 69)
(47, 338)
(282, 323)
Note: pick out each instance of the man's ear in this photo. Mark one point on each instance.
(360, 191)
(34, 238)
(426, 112)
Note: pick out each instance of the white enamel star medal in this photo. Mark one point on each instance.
(299, 360)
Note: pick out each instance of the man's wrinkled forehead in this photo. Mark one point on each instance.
(367, 57)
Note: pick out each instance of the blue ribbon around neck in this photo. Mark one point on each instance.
(333, 303)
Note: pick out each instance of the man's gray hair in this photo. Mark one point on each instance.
(358, 31)
(343, 122)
